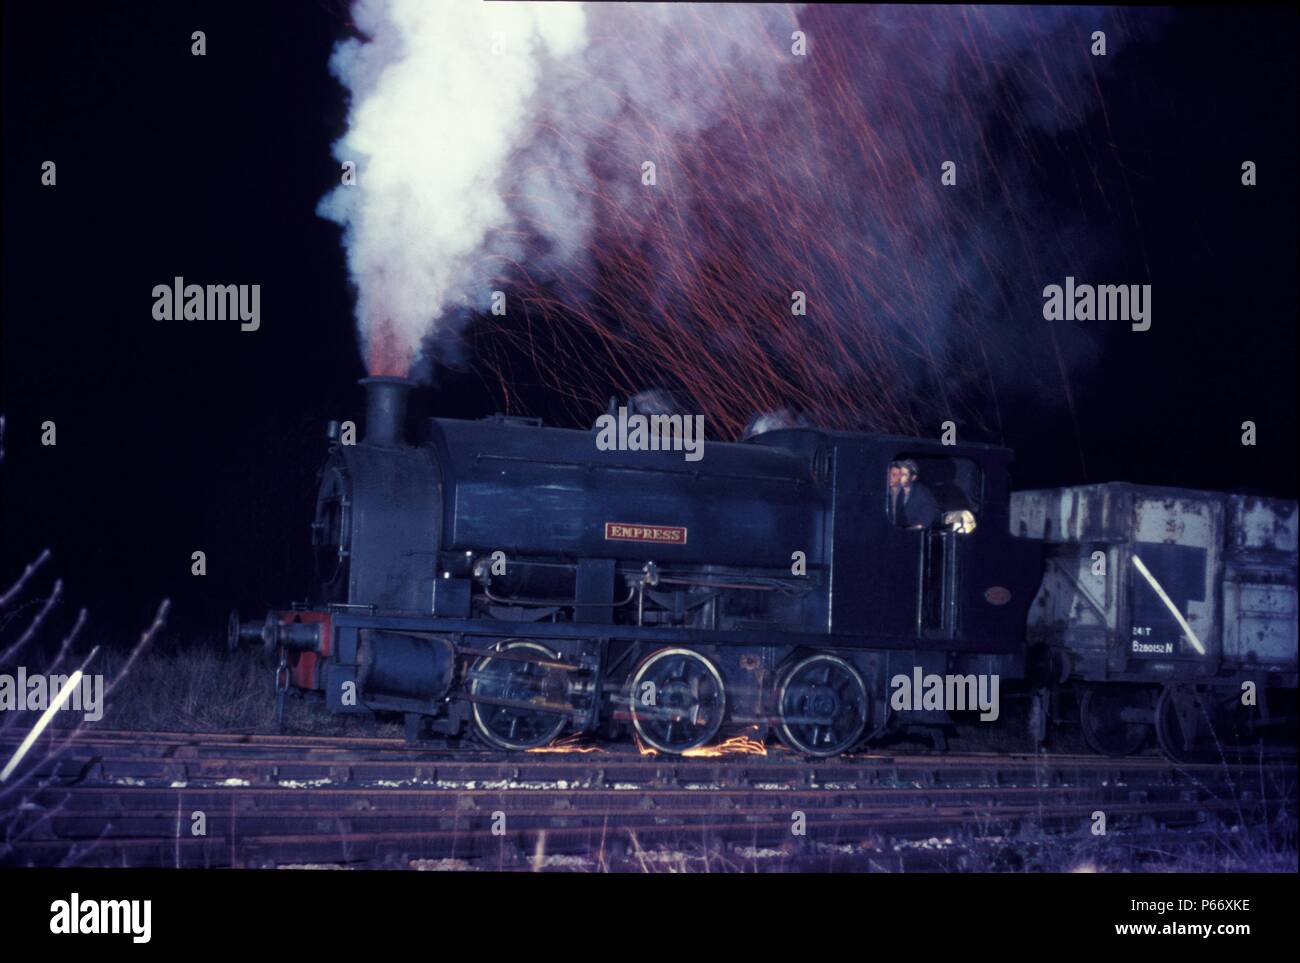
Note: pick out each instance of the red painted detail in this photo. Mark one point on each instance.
(303, 665)
(997, 595)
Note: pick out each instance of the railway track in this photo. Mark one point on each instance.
(136, 799)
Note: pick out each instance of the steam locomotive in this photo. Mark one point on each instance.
(520, 583)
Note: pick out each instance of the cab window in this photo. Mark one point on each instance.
(956, 486)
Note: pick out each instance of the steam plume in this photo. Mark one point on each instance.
(439, 97)
(501, 146)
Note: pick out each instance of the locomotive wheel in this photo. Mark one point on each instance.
(1104, 729)
(678, 700)
(822, 706)
(511, 727)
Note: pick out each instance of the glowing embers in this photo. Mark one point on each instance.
(822, 705)
(571, 743)
(677, 700)
(962, 521)
(735, 746)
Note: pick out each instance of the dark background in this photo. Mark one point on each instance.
(177, 436)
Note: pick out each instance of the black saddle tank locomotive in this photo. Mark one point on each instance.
(521, 583)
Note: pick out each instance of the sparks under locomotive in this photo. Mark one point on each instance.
(517, 581)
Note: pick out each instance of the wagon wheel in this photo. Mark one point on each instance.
(1106, 717)
(822, 706)
(678, 700)
(1181, 724)
(514, 726)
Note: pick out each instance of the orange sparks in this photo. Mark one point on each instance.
(735, 746)
(567, 744)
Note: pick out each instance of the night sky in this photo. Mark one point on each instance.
(177, 436)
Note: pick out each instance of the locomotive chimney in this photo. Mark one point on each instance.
(386, 410)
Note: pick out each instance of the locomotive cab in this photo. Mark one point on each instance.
(963, 580)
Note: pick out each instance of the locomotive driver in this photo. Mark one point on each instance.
(911, 504)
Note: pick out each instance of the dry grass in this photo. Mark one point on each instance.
(203, 688)
(1217, 848)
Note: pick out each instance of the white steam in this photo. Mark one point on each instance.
(479, 127)
(500, 145)
(440, 92)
